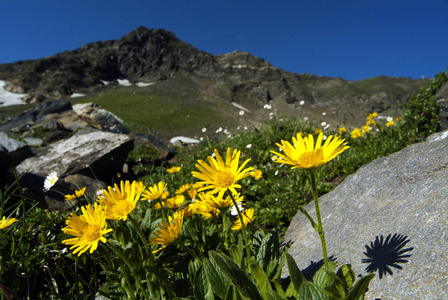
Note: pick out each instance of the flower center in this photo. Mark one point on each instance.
(122, 207)
(92, 232)
(307, 159)
(225, 179)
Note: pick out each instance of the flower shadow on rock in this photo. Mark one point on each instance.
(386, 253)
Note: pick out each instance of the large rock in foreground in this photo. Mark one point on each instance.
(390, 218)
(96, 154)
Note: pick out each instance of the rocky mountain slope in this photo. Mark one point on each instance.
(154, 56)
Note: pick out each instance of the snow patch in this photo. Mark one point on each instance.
(143, 84)
(183, 139)
(124, 82)
(240, 107)
(76, 95)
(8, 98)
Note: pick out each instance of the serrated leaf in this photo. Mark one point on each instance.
(147, 219)
(202, 288)
(235, 275)
(273, 295)
(261, 279)
(214, 276)
(346, 275)
(311, 291)
(360, 287)
(296, 276)
(324, 277)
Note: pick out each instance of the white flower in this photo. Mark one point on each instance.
(233, 210)
(219, 130)
(389, 119)
(50, 181)
(226, 131)
(323, 124)
(201, 138)
(241, 112)
(324, 137)
(324, 113)
(213, 154)
(271, 114)
(302, 102)
(281, 120)
(267, 106)
(249, 146)
(204, 129)
(305, 119)
(276, 173)
(326, 126)
(245, 127)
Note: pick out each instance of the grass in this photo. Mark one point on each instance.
(33, 262)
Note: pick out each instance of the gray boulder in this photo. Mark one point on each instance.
(12, 152)
(100, 118)
(390, 218)
(100, 155)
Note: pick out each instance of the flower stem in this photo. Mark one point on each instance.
(243, 227)
(126, 261)
(319, 228)
(142, 237)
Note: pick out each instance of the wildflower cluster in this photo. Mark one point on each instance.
(372, 121)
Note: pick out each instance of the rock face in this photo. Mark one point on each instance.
(98, 152)
(390, 217)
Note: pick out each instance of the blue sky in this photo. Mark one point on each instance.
(351, 39)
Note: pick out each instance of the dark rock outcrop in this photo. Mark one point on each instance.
(390, 217)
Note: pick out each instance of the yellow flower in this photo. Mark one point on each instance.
(248, 217)
(76, 195)
(189, 210)
(372, 116)
(175, 202)
(192, 193)
(168, 231)
(120, 201)
(221, 176)
(88, 229)
(7, 222)
(154, 192)
(159, 205)
(173, 170)
(390, 123)
(356, 133)
(365, 129)
(342, 129)
(183, 188)
(165, 195)
(305, 155)
(139, 187)
(257, 174)
(317, 130)
(371, 122)
(204, 206)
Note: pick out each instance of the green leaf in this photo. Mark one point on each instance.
(310, 291)
(324, 277)
(235, 275)
(261, 279)
(346, 275)
(268, 252)
(296, 276)
(181, 280)
(360, 287)
(214, 276)
(146, 222)
(202, 288)
(272, 295)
